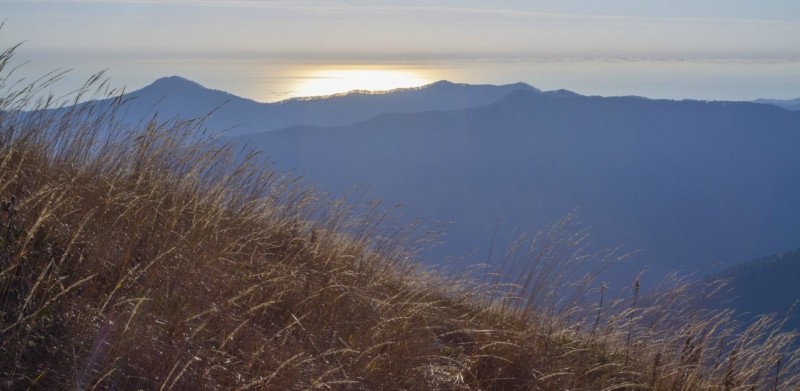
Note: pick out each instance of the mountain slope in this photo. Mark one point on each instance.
(175, 96)
(764, 286)
(689, 183)
(153, 262)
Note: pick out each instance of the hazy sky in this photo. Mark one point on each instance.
(89, 35)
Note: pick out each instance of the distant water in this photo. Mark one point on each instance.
(269, 80)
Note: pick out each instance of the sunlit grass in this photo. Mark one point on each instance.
(150, 258)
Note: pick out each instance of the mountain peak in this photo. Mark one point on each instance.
(172, 82)
(184, 89)
(442, 83)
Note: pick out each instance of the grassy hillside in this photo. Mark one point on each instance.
(145, 258)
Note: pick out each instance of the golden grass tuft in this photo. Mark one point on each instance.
(149, 258)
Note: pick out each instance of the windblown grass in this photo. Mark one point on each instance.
(149, 258)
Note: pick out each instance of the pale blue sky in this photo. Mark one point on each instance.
(89, 35)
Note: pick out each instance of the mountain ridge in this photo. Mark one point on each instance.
(623, 162)
(178, 96)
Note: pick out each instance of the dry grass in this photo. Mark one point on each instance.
(148, 258)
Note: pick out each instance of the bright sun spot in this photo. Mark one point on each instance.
(335, 81)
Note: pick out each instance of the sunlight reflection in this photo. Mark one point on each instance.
(335, 81)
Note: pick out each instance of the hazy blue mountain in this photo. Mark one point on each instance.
(176, 96)
(694, 185)
(789, 104)
(765, 286)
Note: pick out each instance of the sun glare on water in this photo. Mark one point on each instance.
(335, 81)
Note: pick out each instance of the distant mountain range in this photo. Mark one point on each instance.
(694, 185)
(791, 104)
(176, 96)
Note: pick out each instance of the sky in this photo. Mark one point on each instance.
(272, 50)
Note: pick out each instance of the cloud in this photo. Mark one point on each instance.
(429, 28)
(493, 11)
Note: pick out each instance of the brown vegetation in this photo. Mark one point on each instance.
(148, 258)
